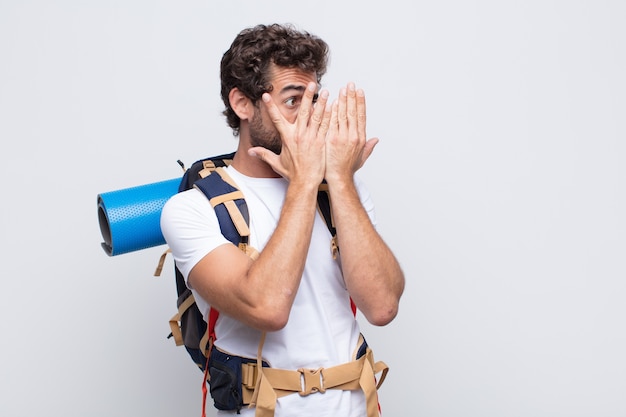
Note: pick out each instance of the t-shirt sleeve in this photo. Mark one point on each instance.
(366, 199)
(190, 228)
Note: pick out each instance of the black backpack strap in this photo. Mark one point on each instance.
(188, 325)
(323, 205)
(232, 213)
(202, 168)
(229, 204)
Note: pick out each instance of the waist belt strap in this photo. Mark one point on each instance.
(261, 387)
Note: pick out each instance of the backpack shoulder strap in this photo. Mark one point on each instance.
(229, 204)
(187, 326)
(202, 168)
(232, 213)
(323, 205)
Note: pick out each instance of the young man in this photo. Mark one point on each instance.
(298, 294)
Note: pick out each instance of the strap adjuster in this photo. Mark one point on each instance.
(312, 381)
(248, 375)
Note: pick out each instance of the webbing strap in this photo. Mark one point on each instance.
(237, 218)
(272, 383)
(228, 200)
(224, 174)
(226, 197)
(209, 166)
(175, 320)
(159, 268)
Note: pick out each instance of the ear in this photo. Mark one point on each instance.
(241, 105)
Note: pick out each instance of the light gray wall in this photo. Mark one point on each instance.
(499, 181)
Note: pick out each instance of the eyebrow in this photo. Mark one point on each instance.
(292, 87)
(298, 88)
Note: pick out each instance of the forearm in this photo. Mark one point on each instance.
(372, 274)
(276, 274)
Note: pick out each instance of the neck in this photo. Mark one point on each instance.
(250, 166)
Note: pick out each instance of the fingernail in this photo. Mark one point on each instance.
(312, 87)
(265, 97)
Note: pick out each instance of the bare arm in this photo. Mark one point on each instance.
(372, 274)
(261, 293)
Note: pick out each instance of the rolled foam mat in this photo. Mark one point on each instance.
(130, 218)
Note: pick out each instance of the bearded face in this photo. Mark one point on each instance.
(263, 133)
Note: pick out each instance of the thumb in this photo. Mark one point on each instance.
(368, 149)
(268, 157)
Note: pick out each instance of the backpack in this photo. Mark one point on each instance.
(130, 217)
(188, 327)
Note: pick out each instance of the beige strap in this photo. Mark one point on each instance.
(208, 166)
(175, 329)
(228, 201)
(159, 268)
(226, 197)
(261, 387)
(175, 320)
(205, 344)
(224, 174)
(237, 217)
(252, 253)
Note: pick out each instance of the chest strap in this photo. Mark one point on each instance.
(262, 386)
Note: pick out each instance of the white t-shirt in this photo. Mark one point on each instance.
(322, 330)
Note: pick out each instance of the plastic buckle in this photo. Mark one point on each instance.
(248, 375)
(334, 247)
(312, 381)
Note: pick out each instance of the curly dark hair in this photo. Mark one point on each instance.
(246, 64)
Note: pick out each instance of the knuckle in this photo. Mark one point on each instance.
(316, 118)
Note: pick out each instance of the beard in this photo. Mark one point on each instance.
(261, 135)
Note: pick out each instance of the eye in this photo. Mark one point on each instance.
(291, 101)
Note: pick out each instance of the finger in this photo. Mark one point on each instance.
(342, 116)
(351, 109)
(268, 157)
(369, 147)
(360, 113)
(326, 120)
(333, 125)
(304, 113)
(319, 109)
(367, 150)
(275, 114)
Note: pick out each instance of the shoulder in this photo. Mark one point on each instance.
(185, 201)
(186, 210)
(190, 228)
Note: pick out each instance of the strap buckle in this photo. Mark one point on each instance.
(249, 375)
(312, 381)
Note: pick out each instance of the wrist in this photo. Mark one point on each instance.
(340, 181)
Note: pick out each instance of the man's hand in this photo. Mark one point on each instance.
(347, 148)
(303, 141)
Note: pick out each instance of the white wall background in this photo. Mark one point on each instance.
(499, 179)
